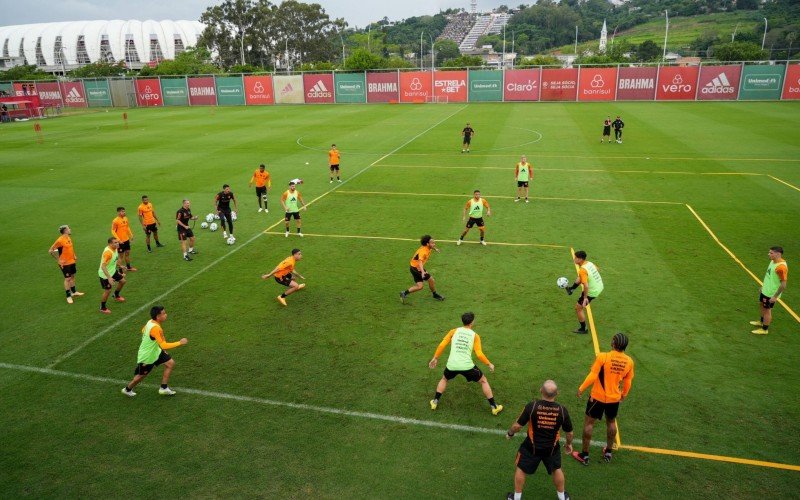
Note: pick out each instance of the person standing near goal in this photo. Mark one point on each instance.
(263, 183)
(467, 134)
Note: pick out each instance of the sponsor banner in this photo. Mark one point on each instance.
(97, 93)
(174, 90)
(258, 90)
(597, 84)
(762, 82)
(383, 87)
(522, 85)
(74, 95)
(485, 85)
(318, 88)
(148, 92)
(415, 86)
(719, 83)
(23, 89)
(230, 91)
(8, 88)
(50, 94)
(677, 83)
(636, 84)
(350, 87)
(288, 89)
(202, 91)
(559, 84)
(450, 84)
(791, 88)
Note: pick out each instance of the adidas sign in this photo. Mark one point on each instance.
(287, 89)
(74, 97)
(319, 90)
(719, 85)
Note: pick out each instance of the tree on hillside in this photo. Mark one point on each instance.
(446, 49)
(738, 51)
(99, 70)
(192, 61)
(648, 51)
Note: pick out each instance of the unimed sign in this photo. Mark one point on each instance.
(719, 83)
(677, 83)
(148, 92)
(597, 84)
(258, 90)
(791, 87)
(522, 85)
(415, 86)
(559, 84)
(383, 87)
(636, 84)
(202, 91)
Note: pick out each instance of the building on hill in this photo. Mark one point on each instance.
(603, 38)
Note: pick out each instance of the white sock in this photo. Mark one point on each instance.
(518, 496)
(185, 254)
(560, 495)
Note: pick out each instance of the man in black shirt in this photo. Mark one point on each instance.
(222, 204)
(606, 130)
(544, 418)
(185, 233)
(468, 132)
(618, 126)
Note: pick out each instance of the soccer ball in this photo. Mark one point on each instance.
(216, 216)
(562, 282)
(204, 225)
(233, 215)
(210, 218)
(213, 226)
(231, 240)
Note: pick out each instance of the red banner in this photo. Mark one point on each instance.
(318, 88)
(677, 83)
(202, 91)
(522, 85)
(450, 84)
(50, 94)
(148, 92)
(719, 83)
(415, 86)
(791, 87)
(597, 84)
(383, 87)
(23, 89)
(636, 84)
(258, 90)
(559, 84)
(74, 95)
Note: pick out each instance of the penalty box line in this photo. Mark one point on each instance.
(377, 416)
(389, 238)
(546, 198)
(590, 170)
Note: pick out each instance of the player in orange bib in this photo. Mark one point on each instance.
(263, 183)
(333, 161)
(284, 274)
(121, 230)
(418, 269)
(149, 221)
(64, 254)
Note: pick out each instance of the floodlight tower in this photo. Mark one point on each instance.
(473, 7)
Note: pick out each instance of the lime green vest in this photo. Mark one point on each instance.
(112, 264)
(771, 280)
(291, 201)
(461, 350)
(149, 350)
(524, 169)
(595, 281)
(475, 208)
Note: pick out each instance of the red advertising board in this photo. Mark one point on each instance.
(23, 89)
(415, 86)
(791, 87)
(451, 85)
(383, 87)
(559, 84)
(318, 88)
(50, 94)
(677, 83)
(522, 84)
(719, 83)
(258, 90)
(148, 92)
(636, 84)
(74, 94)
(597, 84)
(202, 91)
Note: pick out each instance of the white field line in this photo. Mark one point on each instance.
(152, 301)
(359, 237)
(593, 170)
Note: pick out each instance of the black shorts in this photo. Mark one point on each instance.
(472, 375)
(184, 234)
(285, 281)
(765, 303)
(143, 369)
(418, 278)
(580, 299)
(261, 191)
(124, 246)
(607, 131)
(522, 184)
(106, 285)
(289, 216)
(151, 228)
(472, 221)
(596, 409)
(528, 461)
(467, 139)
(334, 167)
(69, 270)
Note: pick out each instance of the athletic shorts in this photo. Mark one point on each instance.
(467, 139)
(472, 375)
(473, 221)
(528, 461)
(285, 281)
(124, 246)
(522, 184)
(261, 191)
(334, 167)
(418, 278)
(607, 131)
(106, 285)
(143, 369)
(151, 228)
(289, 216)
(580, 299)
(765, 303)
(69, 270)
(184, 234)
(596, 409)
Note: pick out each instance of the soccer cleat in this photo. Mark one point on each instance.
(403, 297)
(438, 297)
(580, 331)
(754, 323)
(81, 294)
(566, 495)
(458, 243)
(149, 250)
(166, 391)
(581, 457)
(260, 209)
(281, 300)
(105, 311)
(301, 286)
(483, 243)
(300, 234)
(434, 404)
(69, 299)
(607, 456)
(497, 409)
(128, 393)
(132, 269)
(510, 495)
(193, 251)
(569, 290)
(286, 234)
(338, 180)
(266, 210)
(224, 234)
(186, 257)
(119, 299)
(526, 200)
(160, 245)
(516, 200)
(760, 331)
(330, 182)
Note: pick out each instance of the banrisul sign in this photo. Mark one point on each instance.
(350, 87)
(97, 93)
(230, 91)
(175, 91)
(762, 82)
(485, 85)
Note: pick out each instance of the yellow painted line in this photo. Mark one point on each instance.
(552, 198)
(717, 458)
(362, 237)
(786, 183)
(590, 170)
(736, 259)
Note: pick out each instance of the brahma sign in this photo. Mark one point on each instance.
(677, 83)
(597, 84)
(636, 84)
(383, 87)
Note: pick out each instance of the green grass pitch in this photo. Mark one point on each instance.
(703, 383)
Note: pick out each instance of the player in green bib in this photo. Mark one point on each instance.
(463, 341)
(111, 272)
(592, 285)
(774, 284)
(475, 208)
(524, 175)
(292, 202)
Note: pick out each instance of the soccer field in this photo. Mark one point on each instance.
(328, 397)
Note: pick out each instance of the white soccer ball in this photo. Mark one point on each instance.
(231, 240)
(562, 282)
(213, 226)
(204, 225)
(233, 215)
(216, 216)
(210, 218)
